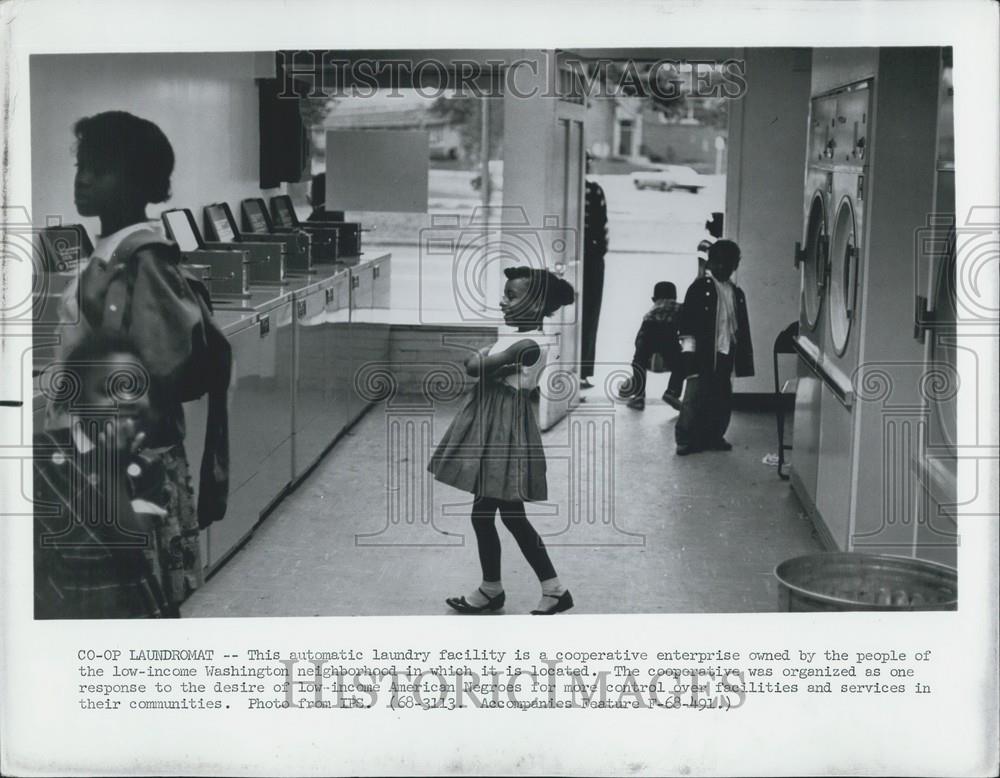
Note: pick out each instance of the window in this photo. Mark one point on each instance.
(843, 276)
(814, 264)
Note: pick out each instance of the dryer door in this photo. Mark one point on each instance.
(814, 263)
(843, 275)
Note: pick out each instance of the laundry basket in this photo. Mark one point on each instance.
(838, 581)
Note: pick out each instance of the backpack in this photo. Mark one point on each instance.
(206, 372)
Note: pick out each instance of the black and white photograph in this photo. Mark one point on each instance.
(575, 316)
(655, 338)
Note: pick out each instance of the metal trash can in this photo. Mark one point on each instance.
(838, 581)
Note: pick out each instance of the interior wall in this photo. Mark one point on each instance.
(767, 149)
(206, 104)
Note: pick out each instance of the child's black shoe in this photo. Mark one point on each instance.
(563, 603)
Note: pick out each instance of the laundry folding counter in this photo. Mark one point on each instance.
(295, 355)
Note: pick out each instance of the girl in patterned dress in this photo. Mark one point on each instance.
(493, 448)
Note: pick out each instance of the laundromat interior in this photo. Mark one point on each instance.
(837, 182)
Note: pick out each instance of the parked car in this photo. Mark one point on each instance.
(668, 177)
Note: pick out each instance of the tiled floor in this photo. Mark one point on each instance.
(695, 534)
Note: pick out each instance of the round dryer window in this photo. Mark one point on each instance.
(814, 262)
(843, 275)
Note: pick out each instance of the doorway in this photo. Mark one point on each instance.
(661, 164)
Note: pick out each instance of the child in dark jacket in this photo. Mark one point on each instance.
(715, 342)
(657, 336)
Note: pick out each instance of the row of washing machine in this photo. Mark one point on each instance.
(862, 412)
(830, 264)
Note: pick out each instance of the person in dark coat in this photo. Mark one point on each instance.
(715, 343)
(595, 246)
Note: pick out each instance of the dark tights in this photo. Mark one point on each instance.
(484, 510)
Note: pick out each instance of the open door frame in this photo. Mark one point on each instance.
(544, 166)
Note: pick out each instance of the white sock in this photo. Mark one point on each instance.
(552, 588)
(491, 588)
(551, 591)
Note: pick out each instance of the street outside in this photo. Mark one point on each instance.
(653, 237)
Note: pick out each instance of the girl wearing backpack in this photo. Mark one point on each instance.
(133, 284)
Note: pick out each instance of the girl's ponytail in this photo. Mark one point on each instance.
(555, 292)
(559, 292)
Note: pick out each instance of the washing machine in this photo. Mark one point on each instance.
(811, 259)
(846, 171)
(813, 253)
(831, 261)
(840, 345)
